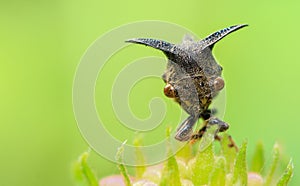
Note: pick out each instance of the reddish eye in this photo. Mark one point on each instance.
(169, 91)
(219, 84)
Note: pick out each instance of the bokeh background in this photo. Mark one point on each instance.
(41, 43)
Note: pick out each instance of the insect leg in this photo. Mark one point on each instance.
(232, 143)
(222, 126)
(185, 129)
(198, 135)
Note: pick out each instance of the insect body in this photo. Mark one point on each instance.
(193, 78)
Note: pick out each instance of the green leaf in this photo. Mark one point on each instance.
(240, 175)
(83, 171)
(273, 166)
(78, 174)
(140, 160)
(170, 172)
(208, 137)
(122, 168)
(218, 175)
(183, 168)
(203, 166)
(287, 175)
(258, 158)
(228, 152)
(186, 152)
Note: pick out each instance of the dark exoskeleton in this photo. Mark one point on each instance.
(193, 79)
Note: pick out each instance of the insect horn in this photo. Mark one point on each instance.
(210, 40)
(173, 53)
(166, 47)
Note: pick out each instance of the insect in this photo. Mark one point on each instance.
(193, 79)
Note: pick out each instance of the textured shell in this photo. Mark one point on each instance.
(194, 83)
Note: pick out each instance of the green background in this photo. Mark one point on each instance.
(41, 43)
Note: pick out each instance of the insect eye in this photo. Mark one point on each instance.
(169, 91)
(219, 84)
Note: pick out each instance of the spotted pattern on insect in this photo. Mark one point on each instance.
(193, 78)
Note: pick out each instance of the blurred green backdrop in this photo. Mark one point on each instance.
(41, 45)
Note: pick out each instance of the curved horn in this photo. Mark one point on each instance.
(158, 44)
(210, 40)
(174, 53)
